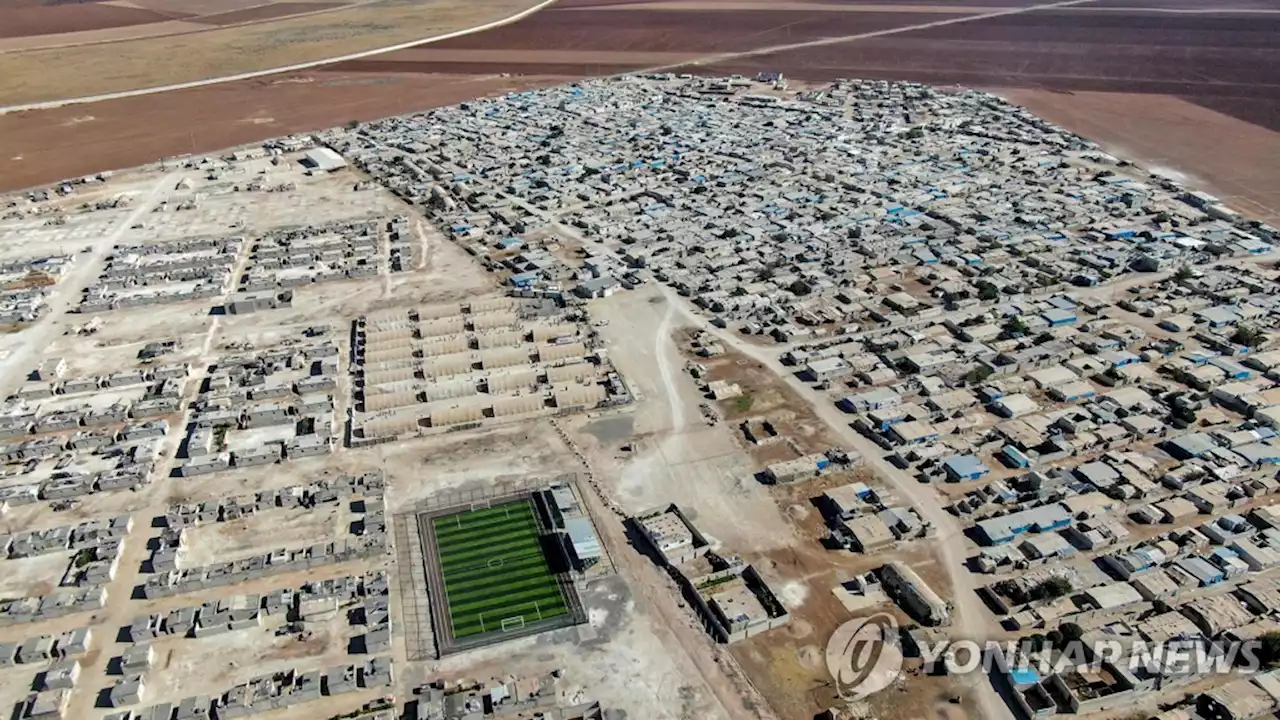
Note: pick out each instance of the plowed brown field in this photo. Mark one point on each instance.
(50, 19)
(1195, 61)
(266, 12)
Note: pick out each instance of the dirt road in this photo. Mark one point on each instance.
(66, 294)
(657, 593)
(970, 618)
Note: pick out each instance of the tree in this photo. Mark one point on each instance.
(987, 290)
(1184, 273)
(1015, 326)
(353, 124)
(1269, 649)
(1246, 335)
(1055, 639)
(1051, 589)
(1071, 631)
(978, 374)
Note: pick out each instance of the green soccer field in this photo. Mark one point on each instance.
(496, 577)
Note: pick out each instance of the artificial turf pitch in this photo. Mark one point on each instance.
(495, 574)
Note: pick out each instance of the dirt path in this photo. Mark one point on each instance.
(724, 57)
(657, 593)
(277, 70)
(668, 366)
(66, 294)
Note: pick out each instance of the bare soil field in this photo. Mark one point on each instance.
(36, 146)
(1191, 5)
(100, 35)
(57, 72)
(266, 12)
(1213, 58)
(886, 5)
(1225, 56)
(197, 7)
(675, 30)
(46, 20)
(1241, 164)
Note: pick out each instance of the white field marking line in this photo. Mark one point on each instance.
(86, 99)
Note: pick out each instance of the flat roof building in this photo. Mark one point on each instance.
(324, 160)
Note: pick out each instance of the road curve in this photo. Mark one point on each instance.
(86, 99)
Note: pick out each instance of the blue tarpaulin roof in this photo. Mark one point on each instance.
(1024, 676)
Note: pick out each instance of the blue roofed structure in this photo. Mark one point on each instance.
(1057, 317)
(1015, 457)
(964, 467)
(1202, 570)
(1003, 529)
(525, 279)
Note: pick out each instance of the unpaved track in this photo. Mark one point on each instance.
(707, 60)
(667, 368)
(50, 104)
(66, 294)
(970, 618)
(724, 57)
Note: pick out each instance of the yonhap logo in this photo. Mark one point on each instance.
(864, 656)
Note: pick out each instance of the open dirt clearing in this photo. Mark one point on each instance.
(37, 75)
(188, 666)
(262, 532)
(709, 472)
(38, 575)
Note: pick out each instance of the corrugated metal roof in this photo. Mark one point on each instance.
(583, 537)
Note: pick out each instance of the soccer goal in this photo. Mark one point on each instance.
(513, 623)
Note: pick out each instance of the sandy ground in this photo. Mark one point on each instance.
(261, 532)
(191, 666)
(38, 575)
